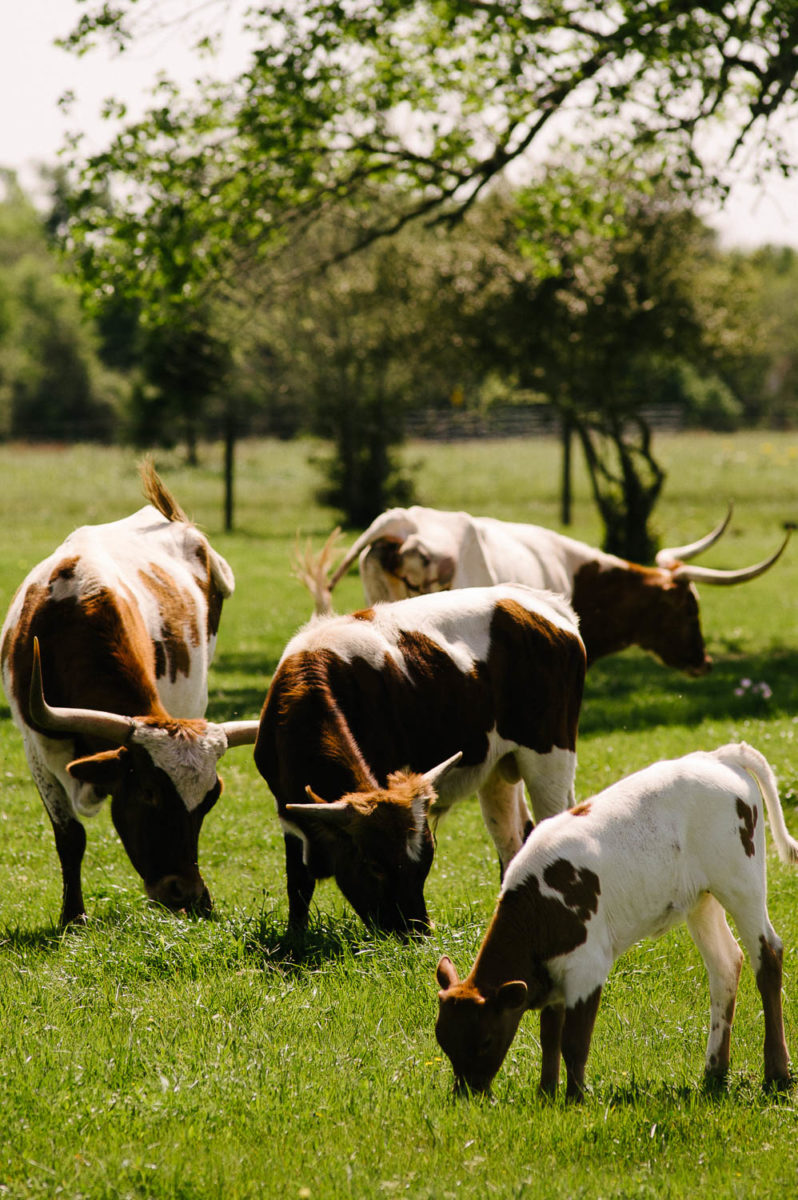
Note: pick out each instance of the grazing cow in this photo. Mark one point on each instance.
(678, 841)
(126, 616)
(410, 550)
(369, 715)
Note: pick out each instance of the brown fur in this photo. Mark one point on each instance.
(213, 597)
(768, 981)
(82, 674)
(639, 606)
(543, 925)
(64, 571)
(749, 817)
(178, 623)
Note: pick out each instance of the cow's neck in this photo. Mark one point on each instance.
(508, 950)
(611, 602)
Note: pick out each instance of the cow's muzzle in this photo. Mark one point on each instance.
(180, 893)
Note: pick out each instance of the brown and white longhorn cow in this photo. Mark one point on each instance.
(370, 715)
(117, 629)
(406, 551)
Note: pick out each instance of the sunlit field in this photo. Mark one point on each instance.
(148, 1055)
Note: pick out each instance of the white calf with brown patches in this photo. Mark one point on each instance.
(682, 840)
(406, 551)
(370, 716)
(117, 629)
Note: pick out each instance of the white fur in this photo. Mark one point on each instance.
(660, 841)
(189, 762)
(484, 551)
(454, 621)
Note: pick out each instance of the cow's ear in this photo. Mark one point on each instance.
(103, 771)
(447, 973)
(511, 996)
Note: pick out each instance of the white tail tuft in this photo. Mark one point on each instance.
(759, 768)
(314, 570)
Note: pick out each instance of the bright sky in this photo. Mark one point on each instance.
(34, 74)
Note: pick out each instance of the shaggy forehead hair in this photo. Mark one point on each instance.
(187, 755)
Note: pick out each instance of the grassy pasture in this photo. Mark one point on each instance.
(153, 1056)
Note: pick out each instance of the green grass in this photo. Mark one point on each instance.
(153, 1056)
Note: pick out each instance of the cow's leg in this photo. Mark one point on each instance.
(551, 1024)
(70, 843)
(505, 814)
(69, 833)
(577, 1031)
(300, 884)
(763, 946)
(723, 960)
(768, 980)
(549, 779)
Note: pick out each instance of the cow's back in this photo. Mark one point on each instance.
(142, 592)
(412, 683)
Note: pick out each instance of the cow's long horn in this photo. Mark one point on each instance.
(392, 522)
(672, 555)
(433, 776)
(240, 733)
(111, 727)
(710, 575)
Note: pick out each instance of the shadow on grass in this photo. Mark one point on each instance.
(632, 692)
(165, 940)
(326, 941)
(735, 1089)
(17, 940)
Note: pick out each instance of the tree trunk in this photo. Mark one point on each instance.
(229, 470)
(626, 481)
(566, 435)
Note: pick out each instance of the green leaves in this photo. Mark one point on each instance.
(434, 99)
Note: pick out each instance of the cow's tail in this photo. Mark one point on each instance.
(313, 570)
(394, 524)
(757, 765)
(158, 494)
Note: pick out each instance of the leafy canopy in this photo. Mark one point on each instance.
(435, 98)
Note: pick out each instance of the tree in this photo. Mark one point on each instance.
(437, 98)
(606, 312)
(352, 351)
(765, 375)
(52, 384)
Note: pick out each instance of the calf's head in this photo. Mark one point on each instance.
(162, 780)
(474, 1029)
(377, 845)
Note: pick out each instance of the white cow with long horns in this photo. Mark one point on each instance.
(406, 551)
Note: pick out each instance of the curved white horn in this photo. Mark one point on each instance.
(672, 555)
(710, 575)
(433, 776)
(394, 521)
(240, 733)
(111, 727)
